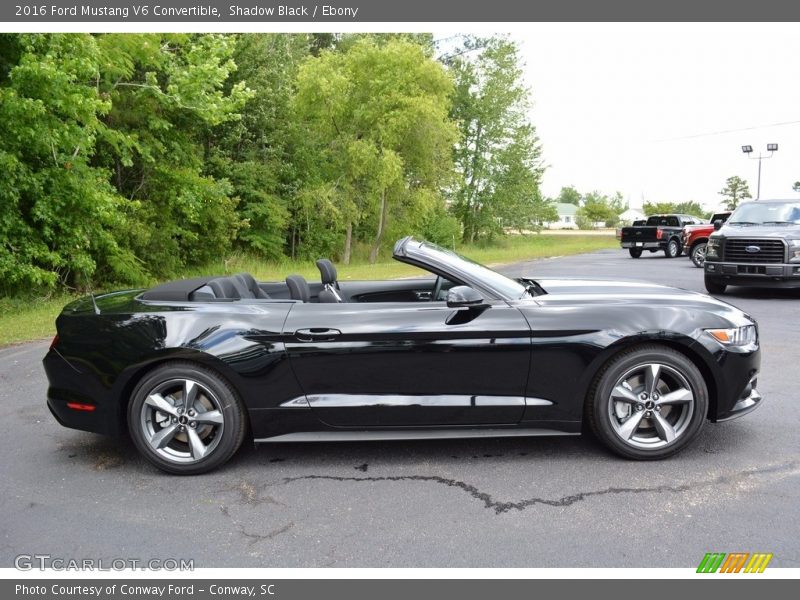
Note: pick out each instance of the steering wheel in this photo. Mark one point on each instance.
(437, 288)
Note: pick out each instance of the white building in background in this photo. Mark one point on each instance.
(631, 215)
(566, 217)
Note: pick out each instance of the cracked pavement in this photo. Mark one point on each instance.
(511, 502)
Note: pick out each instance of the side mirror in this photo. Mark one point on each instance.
(717, 224)
(463, 296)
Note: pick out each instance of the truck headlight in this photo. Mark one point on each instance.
(794, 250)
(736, 336)
(712, 248)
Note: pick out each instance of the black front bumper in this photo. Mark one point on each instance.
(753, 275)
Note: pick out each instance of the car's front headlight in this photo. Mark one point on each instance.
(712, 248)
(794, 250)
(736, 336)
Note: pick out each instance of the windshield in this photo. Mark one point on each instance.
(759, 213)
(506, 286)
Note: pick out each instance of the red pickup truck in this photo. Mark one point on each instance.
(695, 237)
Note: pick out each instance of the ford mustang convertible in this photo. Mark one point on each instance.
(191, 367)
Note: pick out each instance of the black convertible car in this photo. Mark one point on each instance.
(191, 367)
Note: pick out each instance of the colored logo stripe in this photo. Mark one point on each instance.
(711, 562)
(734, 563)
(758, 562)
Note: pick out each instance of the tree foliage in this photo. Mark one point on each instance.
(569, 195)
(735, 191)
(377, 126)
(129, 157)
(498, 156)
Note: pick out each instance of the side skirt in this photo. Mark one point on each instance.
(412, 434)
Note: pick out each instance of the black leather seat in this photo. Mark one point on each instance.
(227, 288)
(249, 282)
(298, 288)
(330, 283)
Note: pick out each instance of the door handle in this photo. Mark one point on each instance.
(317, 334)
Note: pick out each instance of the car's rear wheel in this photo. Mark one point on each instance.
(712, 287)
(698, 254)
(673, 249)
(185, 419)
(635, 252)
(648, 403)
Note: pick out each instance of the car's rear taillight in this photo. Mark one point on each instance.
(659, 234)
(54, 342)
(81, 406)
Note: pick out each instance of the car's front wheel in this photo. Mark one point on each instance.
(712, 287)
(648, 403)
(698, 254)
(185, 419)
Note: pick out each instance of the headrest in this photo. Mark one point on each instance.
(327, 271)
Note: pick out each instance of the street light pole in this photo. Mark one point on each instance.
(771, 148)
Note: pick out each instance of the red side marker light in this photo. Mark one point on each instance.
(79, 406)
(54, 342)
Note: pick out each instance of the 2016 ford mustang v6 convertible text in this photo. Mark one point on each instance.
(191, 367)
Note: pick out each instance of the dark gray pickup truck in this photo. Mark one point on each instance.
(759, 246)
(661, 232)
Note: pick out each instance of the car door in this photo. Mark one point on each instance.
(409, 364)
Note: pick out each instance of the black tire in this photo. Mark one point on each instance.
(698, 254)
(635, 252)
(712, 287)
(216, 417)
(646, 441)
(673, 249)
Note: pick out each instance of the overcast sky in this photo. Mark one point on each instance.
(631, 107)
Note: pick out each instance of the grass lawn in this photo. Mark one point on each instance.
(33, 318)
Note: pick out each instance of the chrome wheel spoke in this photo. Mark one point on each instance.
(161, 404)
(631, 424)
(664, 429)
(651, 405)
(189, 394)
(651, 378)
(623, 394)
(164, 436)
(676, 397)
(182, 420)
(196, 445)
(211, 417)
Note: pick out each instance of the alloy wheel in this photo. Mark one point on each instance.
(182, 420)
(651, 406)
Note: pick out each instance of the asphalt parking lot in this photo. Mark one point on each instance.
(514, 502)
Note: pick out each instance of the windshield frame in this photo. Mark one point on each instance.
(458, 268)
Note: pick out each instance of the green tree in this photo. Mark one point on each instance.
(735, 190)
(258, 152)
(796, 186)
(490, 106)
(596, 208)
(569, 195)
(102, 140)
(379, 138)
(59, 215)
(167, 92)
(658, 208)
(690, 207)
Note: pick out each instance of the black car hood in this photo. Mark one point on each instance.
(633, 296)
(760, 231)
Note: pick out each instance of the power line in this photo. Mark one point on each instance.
(724, 131)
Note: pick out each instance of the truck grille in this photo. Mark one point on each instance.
(744, 250)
